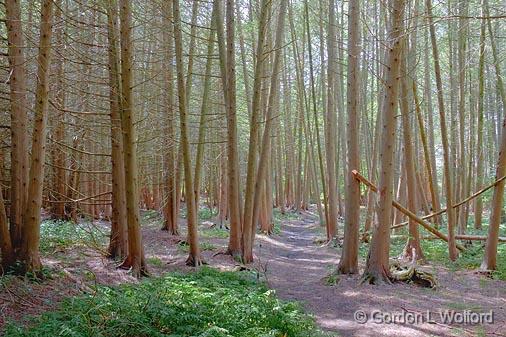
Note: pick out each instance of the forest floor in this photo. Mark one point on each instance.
(292, 261)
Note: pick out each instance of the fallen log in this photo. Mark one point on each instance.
(443, 210)
(466, 238)
(406, 211)
(476, 238)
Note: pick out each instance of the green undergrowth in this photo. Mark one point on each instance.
(279, 218)
(184, 246)
(207, 303)
(215, 232)
(436, 251)
(58, 235)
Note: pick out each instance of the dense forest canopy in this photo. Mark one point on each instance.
(381, 118)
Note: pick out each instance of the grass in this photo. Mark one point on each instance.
(207, 303)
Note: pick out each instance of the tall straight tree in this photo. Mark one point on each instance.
(249, 227)
(490, 258)
(377, 265)
(331, 123)
(19, 151)
(29, 256)
(271, 105)
(118, 239)
(448, 174)
(135, 259)
(480, 158)
(349, 257)
(171, 210)
(226, 55)
(194, 257)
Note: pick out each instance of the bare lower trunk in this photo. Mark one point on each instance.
(29, 257)
(377, 264)
(135, 258)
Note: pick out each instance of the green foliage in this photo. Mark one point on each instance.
(184, 247)
(205, 213)
(207, 303)
(58, 235)
(279, 218)
(214, 232)
(155, 261)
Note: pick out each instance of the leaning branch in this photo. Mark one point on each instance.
(404, 210)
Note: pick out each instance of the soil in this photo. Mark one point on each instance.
(292, 262)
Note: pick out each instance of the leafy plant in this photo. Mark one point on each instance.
(205, 303)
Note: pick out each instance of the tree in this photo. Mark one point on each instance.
(331, 134)
(194, 258)
(377, 264)
(135, 259)
(448, 172)
(118, 241)
(490, 258)
(19, 128)
(29, 256)
(349, 259)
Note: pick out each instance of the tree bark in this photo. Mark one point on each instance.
(19, 120)
(448, 174)
(29, 257)
(490, 258)
(377, 264)
(349, 258)
(135, 259)
(194, 257)
(118, 239)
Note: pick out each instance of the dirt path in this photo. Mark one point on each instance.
(296, 267)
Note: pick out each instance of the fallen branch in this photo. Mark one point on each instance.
(406, 211)
(443, 210)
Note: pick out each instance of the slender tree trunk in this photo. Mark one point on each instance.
(452, 250)
(194, 258)
(377, 265)
(480, 158)
(413, 244)
(262, 173)
(118, 240)
(349, 259)
(29, 256)
(203, 110)
(331, 140)
(135, 258)
(19, 151)
(249, 226)
(490, 258)
(171, 210)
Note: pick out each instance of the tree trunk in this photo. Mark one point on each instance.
(331, 134)
(19, 131)
(249, 226)
(194, 258)
(135, 259)
(377, 264)
(413, 244)
(29, 257)
(480, 158)
(490, 258)
(448, 174)
(118, 239)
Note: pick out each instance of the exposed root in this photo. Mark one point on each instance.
(138, 269)
(375, 278)
(195, 261)
(411, 274)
